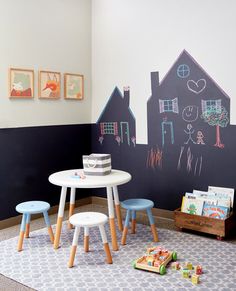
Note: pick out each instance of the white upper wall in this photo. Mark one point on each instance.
(50, 35)
(131, 38)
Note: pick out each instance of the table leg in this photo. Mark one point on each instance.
(60, 217)
(72, 205)
(112, 219)
(117, 206)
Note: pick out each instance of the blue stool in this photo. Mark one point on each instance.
(133, 205)
(28, 208)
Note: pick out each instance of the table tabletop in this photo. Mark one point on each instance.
(71, 178)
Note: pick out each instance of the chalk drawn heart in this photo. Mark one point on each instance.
(196, 87)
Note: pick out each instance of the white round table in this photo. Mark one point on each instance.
(71, 179)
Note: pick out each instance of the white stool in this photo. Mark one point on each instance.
(87, 220)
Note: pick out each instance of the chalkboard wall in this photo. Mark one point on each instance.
(30, 154)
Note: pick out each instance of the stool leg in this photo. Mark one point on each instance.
(60, 217)
(22, 232)
(105, 244)
(74, 247)
(86, 239)
(72, 205)
(27, 227)
(47, 221)
(133, 224)
(125, 230)
(153, 228)
(117, 206)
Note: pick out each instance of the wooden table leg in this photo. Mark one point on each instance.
(60, 217)
(27, 227)
(22, 232)
(74, 247)
(112, 219)
(72, 205)
(117, 206)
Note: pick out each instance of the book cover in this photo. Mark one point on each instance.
(219, 212)
(211, 199)
(223, 193)
(192, 206)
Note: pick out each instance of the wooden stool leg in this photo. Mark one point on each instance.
(47, 221)
(117, 207)
(105, 244)
(72, 206)
(27, 227)
(133, 224)
(74, 247)
(22, 232)
(125, 230)
(153, 228)
(86, 239)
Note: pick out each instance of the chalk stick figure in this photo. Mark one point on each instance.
(200, 137)
(189, 133)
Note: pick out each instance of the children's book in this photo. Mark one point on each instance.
(192, 206)
(212, 200)
(221, 192)
(219, 212)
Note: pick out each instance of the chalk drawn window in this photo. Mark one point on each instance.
(109, 128)
(183, 71)
(211, 106)
(170, 105)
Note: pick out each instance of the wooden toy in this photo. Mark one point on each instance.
(188, 266)
(198, 270)
(185, 273)
(155, 260)
(195, 279)
(175, 266)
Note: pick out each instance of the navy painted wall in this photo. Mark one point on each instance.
(30, 154)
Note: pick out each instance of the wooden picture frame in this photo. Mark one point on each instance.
(49, 86)
(21, 83)
(73, 86)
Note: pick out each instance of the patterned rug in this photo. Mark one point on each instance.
(41, 267)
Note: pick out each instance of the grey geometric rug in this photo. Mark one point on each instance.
(41, 267)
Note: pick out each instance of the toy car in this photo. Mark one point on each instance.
(155, 260)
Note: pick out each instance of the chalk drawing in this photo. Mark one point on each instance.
(200, 137)
(196, 87)
(211, 106)
(183, 71)
(189, 133)
(217, 119)
(170, 105)
(180, 156)
(190, 113)
(100, 139)
(118, 139)
(154, 158)
(124, 129)
(109, 128)
(200, 167)
(133, 139)
(167, 131)
(195, 168)
(189, 160)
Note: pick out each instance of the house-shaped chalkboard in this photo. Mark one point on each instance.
(116, 124)
(187, 107)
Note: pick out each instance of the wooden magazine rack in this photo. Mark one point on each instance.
(218, 227)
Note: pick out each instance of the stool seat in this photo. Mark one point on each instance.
(88, 219)
(137, 204)
(32, 207)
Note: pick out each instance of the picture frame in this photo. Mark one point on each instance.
(49, 85)
(73, 86)
(21, 83)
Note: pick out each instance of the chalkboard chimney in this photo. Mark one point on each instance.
(126, 95)
(154, 82)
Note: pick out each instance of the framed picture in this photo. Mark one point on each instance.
(73, 86)
(21, 83)
(49, 85)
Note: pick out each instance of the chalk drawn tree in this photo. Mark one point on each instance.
(218, 119)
